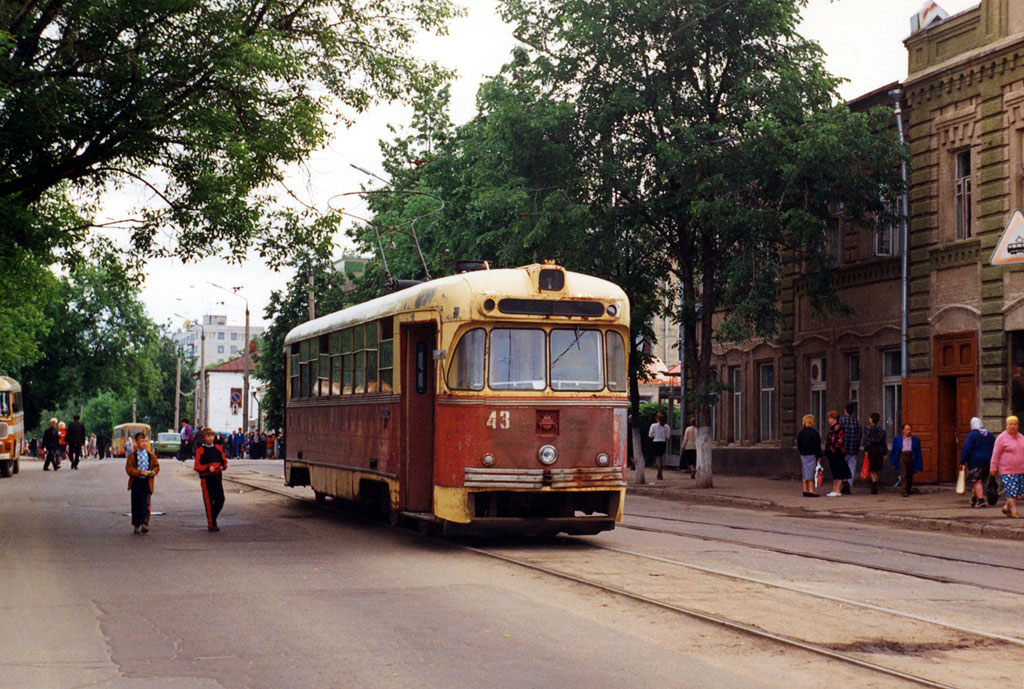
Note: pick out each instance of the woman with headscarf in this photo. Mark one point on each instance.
(976, 456)
(1008, 461)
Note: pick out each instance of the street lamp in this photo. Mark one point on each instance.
(245, 355)
(201, 402)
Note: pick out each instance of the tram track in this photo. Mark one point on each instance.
(962, 637)
(817, 537)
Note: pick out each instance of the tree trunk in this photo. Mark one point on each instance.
(703, 457)
(638, 456)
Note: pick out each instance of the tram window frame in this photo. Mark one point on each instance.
(581, 338)
(304, 368)
(615, 361)
(335, 352)
(346, 361)
(324, 367)
(5, 404)
(460, 376)
(17, 404)
(293, 372)
(371, 340)
(386, 355)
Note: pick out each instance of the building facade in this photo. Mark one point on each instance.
(963, 103)
(222, 409)
(223, 341)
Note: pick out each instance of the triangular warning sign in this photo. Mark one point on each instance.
(1010, 248)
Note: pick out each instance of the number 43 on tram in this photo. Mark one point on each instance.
(484, 401)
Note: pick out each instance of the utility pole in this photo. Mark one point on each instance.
(309, 294)
(177, 390)
(133, 410)
(201, 406)
(245, 375)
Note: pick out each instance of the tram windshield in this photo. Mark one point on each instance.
(5, 403)
(567, 359)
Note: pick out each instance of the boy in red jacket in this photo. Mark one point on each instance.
(210, 463)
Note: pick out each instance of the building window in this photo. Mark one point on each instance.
(853, 362)
(220, 349)
(234, 336)
(1017, 372)
(892, 392)
(767, 402)
(220, 335)
(735, 380)
(819, 402)
(962, 194)
(888, 237)
(234, 349)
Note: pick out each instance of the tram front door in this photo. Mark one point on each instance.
(418, 343)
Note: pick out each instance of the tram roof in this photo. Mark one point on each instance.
(459, 291)
(8, 384)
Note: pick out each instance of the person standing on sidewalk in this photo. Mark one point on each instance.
(851, 443)
(76, 440)
(1008, 461)
(210, 463)
(689, 445)
(185, 446)
(874, 449)
(659, 433)
(976, 456)
(836, 455)
(51, 447)
(142, 467)
(905, 455)
(808, 444)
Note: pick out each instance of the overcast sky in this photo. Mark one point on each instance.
(862, 39)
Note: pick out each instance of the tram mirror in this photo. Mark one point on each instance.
(440, 354)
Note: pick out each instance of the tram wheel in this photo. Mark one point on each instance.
(321, 498)
(17, 465)
(394, 516)
(5, 468)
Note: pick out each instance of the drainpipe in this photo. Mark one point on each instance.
(897, 96)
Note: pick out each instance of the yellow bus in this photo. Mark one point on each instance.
(122, 433)
(12, 426)
(486, 400)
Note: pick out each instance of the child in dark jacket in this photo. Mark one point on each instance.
(210, 462)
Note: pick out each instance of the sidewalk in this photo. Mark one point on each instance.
(935, 508)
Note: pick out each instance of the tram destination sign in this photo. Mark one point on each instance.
(1010, 248)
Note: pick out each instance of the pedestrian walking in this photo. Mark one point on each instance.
(62, 442)
(185, 447)
(51, 447)
(976, 456)
(1008, 462)
(128, 446)
(142, 467)
(102, 445)
(210, 462)
(33, 447)
(659, 432)
(808, 444)
(689, 445)
(874, 449)
(90, 446)
(76, 440)
(836, 455)
(905, 455)
(851, 443)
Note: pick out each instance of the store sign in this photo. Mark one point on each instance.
(1010, 248)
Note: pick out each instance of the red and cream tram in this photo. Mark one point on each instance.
(479, 401)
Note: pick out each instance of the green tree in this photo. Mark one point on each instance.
(205, 103)
(716, 129)
(285, 311)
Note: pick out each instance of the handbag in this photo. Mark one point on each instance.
(992, 490)
(865, 468)
(818, 475)
(961, 480)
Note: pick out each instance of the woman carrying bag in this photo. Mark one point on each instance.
(974, 461)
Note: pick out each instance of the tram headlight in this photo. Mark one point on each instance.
(547, 455)
(602, 459)
(488, 460)
(612, 310)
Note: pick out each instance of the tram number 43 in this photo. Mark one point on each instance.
(499, 419)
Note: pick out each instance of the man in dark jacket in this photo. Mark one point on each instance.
(51, 447)
(76, 439)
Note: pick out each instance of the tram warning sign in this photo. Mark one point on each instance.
(1010, 248)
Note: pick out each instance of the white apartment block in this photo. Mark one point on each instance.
(223, 341)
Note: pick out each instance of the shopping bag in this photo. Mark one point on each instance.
(992, 490)
(818, 475)
(865, 468)
(961, 480)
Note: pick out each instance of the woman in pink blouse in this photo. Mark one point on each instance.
(1008, 461)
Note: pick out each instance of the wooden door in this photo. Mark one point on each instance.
(418, 343)
(966, 407)
(920, 410)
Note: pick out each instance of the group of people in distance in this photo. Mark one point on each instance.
(982, 456)
(61, 441)
(142, 467)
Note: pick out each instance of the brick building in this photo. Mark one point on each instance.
(963, 103)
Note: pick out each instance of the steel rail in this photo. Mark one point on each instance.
(918, 553)
(715, 619)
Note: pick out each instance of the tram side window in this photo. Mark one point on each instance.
(293, 371)
(346, 361)
(304, 368)
(5, 404)
(324, 369)
(466, 372)
(372, 337)
(335, 363)
(517, 359)
(615, 349)
(358, 343)
(576, 360)
(386, 360)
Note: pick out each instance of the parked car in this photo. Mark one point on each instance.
(167, 444)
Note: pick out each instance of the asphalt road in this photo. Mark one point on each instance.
(289, 595)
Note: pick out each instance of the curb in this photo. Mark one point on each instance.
(909, 522)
